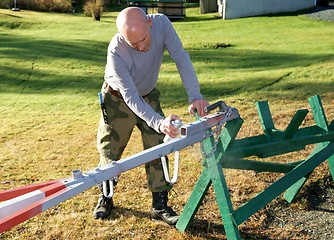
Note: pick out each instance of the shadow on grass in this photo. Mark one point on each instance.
(199, 19)
(210, 230)
(23, 48)
(117, 212)
(198, 228)
(316, 193)
(80, 57)
(48, 66)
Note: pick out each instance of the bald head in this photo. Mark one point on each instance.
(130, 17)
(134, 25)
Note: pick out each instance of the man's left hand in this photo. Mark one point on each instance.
(198, 106)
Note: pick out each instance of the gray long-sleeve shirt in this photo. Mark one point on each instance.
(134, 73)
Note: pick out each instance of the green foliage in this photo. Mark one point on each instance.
(6, 4)
(94, 8)
(45, 5)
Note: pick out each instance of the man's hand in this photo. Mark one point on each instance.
(198, 105)
(166, 126)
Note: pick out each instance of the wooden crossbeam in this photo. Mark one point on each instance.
(321, 122)
(231, 153)
(274, 190)
(295, 123)
(206, 178)
(265, 117)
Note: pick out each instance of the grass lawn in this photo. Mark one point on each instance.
(52, 66)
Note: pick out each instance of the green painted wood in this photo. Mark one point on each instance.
(321, 121)
(292, 191)
(194, 201)
(262, 139)
(282, 149)
(229, 133)
(223, 199)
(266, 196)
(198, 192)
(265, 117)
(330, 162)
(278, 147)
(258, 166)
(296, 121)
(227, 136)
(213, 173)
(230, 153)
(318, 112)
(331, 126)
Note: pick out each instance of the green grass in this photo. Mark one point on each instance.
(52, 66)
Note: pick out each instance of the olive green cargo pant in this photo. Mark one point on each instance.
(113, 137)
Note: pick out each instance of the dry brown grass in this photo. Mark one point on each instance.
(40, 157)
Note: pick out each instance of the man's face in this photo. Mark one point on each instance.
(140, 39)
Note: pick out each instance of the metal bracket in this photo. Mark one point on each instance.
(176, 168)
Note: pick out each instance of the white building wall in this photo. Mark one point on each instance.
(230, 9)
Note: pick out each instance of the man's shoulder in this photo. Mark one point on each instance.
(116, 44)
(160, 22)
(158, 17)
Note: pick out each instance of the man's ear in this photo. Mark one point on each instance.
(149, 20)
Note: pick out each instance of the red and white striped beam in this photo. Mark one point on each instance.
(23, 203)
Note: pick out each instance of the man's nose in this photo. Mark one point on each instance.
(141, 47)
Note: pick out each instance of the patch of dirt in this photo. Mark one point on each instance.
(312, 212)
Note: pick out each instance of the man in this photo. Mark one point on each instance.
(134, 58)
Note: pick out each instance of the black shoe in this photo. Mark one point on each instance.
(103, 207)
(166, 215)
(160, 210)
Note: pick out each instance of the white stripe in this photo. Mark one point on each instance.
(15, 204)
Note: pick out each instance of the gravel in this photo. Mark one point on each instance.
(315, 220)
(323, 13)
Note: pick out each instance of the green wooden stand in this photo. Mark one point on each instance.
(231, 153)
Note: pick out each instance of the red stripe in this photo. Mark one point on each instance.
(51, 189)
(33, 209)
(20, 216)
(15, 192)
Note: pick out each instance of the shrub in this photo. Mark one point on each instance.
(93, 8)
(45, 5)
(6, 4)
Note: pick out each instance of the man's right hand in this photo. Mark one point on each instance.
(199, 106)
(166, 126)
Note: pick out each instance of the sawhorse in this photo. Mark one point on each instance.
(230, 152)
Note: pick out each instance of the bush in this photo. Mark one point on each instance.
(6, 4)
(41, 5)
(93, 8)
